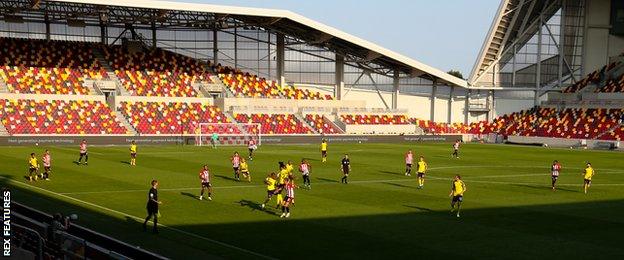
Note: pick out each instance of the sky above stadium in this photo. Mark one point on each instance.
(446, 34)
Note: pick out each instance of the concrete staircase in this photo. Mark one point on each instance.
(217, 81)
(305, 123)
(230, 118)
(3, 131)
(121, 90)
(332, 121)
(122, 119)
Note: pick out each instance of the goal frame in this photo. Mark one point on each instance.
(203, 138)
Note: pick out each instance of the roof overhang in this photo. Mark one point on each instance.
(514, 24)
(289, 23)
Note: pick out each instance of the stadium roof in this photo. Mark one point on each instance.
(286, 22)
(514, 24)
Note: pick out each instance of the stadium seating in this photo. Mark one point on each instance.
(47, 67)
(592, 78)
(374, 119)
(549, 122)
(441, 128)
(156, 72)
(617, 134)
(322, 124)
(612, 85)
(248, 85)
(171, 117)
(58, 117)
(275, 123)
(296, 93)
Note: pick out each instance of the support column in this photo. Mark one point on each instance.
(450, 105)
(339, 82)
(492, 106)
(215, 46)
(154, 35)
(513, 66)
(268, 53)
(103, 34)
(235, 48)
(395, 90)
(467, 106)
(47, 27)
(538, 67)
(434, 90)
(280, 58)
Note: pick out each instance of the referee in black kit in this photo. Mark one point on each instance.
(345, 166)
(152, 206)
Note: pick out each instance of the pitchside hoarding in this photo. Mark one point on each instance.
(190, 140)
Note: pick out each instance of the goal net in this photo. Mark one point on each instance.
(227, 134)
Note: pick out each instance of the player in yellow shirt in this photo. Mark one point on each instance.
(588, 173)
(33, 167)
(324, 150)
(422, 168)
(244, 169)
(290, 167)
(270, 181)
(133, 153)
(281, 182)
(458, 187)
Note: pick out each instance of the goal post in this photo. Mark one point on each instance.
(227, 133)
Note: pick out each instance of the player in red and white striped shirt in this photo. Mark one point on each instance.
(236, 165)
(289, 187)
(456, 149)
(204, 177)
(83, 152)
(409, 160)
(252, 147)
(47, 165)
(305, 168)
(555, 168)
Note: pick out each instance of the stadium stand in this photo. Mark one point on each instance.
(322, 124)
(247, 85)
(374, 119)
(441, 128)
(550, 122)
(275, 123)
(26, 116)
(47, 67)
(612, 85)
(171, 117)
(156, 72)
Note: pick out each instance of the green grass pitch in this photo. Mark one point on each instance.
(509, 210)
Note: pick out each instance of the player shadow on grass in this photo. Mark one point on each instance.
(326, 180)
(189, 195)
(419, 208)
(226, 178)
(392, 173)
(397, 185)
(548, 188)
(126, 162)
(257, 206)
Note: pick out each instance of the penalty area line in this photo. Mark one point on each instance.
(28, 186)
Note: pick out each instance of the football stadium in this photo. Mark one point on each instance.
(144, 129)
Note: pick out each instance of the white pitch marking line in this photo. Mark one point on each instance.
(138, 218)
(610, 171)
